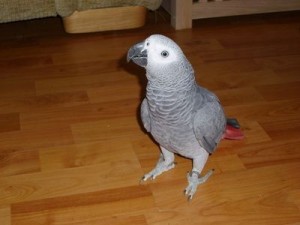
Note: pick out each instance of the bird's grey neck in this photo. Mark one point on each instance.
(165, 103)
(160, 91)
(171, 85)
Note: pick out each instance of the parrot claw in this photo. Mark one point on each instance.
(159, 169)
(194, 180)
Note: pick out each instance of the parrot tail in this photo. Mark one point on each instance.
(232, 131)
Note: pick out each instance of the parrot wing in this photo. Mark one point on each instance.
(209, 125)
(145, 115)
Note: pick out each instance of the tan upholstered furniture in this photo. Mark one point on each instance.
(81, 15)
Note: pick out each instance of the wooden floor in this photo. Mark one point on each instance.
(72, 150)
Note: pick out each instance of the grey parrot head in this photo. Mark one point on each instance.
(162, 58)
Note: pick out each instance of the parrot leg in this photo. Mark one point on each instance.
(165, 163)
(194, 178)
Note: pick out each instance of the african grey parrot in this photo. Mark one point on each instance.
(183, 117)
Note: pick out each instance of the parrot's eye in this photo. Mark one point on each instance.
(147, 43)
(164, 54)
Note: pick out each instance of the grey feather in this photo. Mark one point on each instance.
(208, 123)
(145, 115)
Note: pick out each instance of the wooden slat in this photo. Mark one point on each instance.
(9, 122)
(14, 161)
(5, 215)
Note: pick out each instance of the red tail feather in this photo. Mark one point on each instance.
(232, 133)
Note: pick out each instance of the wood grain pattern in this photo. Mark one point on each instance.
(103, 19)
(183, 13)
(217, 8)
(72, 150)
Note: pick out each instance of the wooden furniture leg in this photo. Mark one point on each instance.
(181, 14)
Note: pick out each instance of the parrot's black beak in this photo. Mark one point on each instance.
(138, 54)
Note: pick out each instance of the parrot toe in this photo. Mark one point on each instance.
(159, 169)
(194, 180)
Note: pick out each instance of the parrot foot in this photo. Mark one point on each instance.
(194, 180)
(160, 167)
